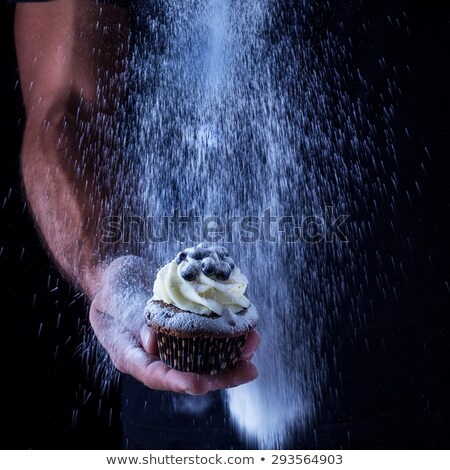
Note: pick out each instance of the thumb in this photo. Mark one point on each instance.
(149, 340)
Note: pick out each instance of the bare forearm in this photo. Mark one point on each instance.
(65, 50)
(60, 203)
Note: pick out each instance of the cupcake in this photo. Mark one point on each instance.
(199, 311)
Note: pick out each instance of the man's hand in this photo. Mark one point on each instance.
(117, 317)
(73, 63)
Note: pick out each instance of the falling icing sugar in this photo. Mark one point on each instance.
(237, 109)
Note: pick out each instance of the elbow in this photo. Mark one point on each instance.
(48, 114)
(48, 131)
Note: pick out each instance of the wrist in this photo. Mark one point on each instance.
(124, 289)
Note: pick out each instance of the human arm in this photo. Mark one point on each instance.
(72, 62)
(62, 56)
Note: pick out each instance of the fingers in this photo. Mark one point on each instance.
(129, 357)
(165, 378)
(148, 340)
(141, 360)
(250, 345)
(149, 343)
(152, 372)
(161, 377)
(243, 372)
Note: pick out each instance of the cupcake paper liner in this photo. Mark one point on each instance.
(204, 355)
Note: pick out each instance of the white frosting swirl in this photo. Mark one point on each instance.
(204, 295)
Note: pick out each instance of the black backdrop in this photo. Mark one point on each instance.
(394, 392)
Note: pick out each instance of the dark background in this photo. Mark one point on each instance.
(393, 386)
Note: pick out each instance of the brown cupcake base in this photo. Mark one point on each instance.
(204, 355)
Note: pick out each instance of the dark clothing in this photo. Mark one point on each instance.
(164, 420)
